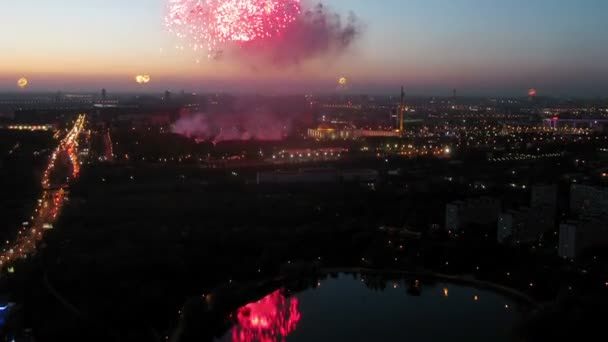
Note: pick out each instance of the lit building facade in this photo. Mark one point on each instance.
(348, 134)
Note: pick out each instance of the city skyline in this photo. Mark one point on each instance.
(478, 47)
(303, 170)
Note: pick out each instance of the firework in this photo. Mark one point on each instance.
(142, 79)
(211, 24)
(22, 82)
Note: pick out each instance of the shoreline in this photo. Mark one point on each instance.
(514, 294)
(464, 279)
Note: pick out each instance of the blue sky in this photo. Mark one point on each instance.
(479, 46)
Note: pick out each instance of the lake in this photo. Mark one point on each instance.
(350, 308)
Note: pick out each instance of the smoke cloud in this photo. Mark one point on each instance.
(318, 32)
(259, 125)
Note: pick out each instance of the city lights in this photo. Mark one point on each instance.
(51, 201)
(282, 170)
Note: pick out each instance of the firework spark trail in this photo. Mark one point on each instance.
(212, 23)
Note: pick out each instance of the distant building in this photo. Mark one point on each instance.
(543, 205)
(327, 133)
(359, 176)
(544, 196)
(578, 235)
(453, 214)
(567, 240)
(524, 225)
(504, 227)
(512, 226)
(588, 200)
(145, 119)
(7, 115)
(527, 224)
(317, 176)
(66, 102)
(597, 124)
(460, 214)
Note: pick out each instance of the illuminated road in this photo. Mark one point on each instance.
(109, 151)
(50, 202)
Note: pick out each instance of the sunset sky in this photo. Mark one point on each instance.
(431, 46)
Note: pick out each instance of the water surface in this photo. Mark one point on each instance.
(348, 308)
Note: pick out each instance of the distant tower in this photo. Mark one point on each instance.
(167, 96)
(454, 94)
(402, 111)
(103, 94)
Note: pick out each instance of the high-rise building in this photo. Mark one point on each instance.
(452, 215)
(543, 206)
(544, 196)
(578, 235)
(480, 211)
(513, 225)
(587, 199)
(567, 239)
(524, 225)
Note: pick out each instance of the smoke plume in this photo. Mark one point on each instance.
(318, 32)
(258, 125)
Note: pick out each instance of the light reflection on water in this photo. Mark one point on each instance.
(346, 308)
(270, 319)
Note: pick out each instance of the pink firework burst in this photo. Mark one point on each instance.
(211, 24)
